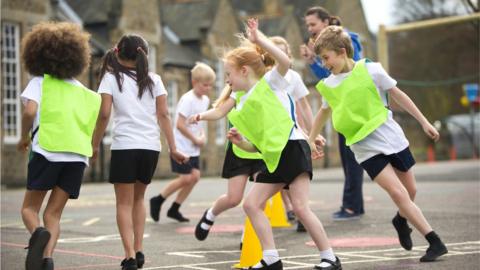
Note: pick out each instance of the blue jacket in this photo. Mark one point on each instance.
(320, 72)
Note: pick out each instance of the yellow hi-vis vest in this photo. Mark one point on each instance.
(237, 150)
(68, 114)
(264, 122)
(357, 109)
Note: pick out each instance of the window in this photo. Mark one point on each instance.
(11, 82)
(172, 89)
(152, 59)
(221, 124)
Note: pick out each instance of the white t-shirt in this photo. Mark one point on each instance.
(280, 87)
(33, 92)
(135, 124)
(188, 105)
(297, 89)
(389, 137)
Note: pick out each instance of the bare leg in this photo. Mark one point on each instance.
(236, 188)
(51, 217)
(138, 215)
(124, 200)
(176, 184)
(32, 202)
(187, 188)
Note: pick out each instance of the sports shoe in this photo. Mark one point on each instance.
(177, 216)
(37, 243)
(47, 264)
(433, 252)
(291, 215)
(403, 231)
(336, 265)
(274, 266)
(140, 259)
(344, 215)
(155, 206)
(129, 264)
(200, 233)
(300, 227)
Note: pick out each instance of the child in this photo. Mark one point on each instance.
(298, 91)
(356, 96)
(190, 138)
(140, 107)
(61, 113)
(266, 117)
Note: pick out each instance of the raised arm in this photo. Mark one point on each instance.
(282, 60)
(214, 113)
(407, 104)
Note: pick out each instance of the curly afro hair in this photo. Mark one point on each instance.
(60, 49)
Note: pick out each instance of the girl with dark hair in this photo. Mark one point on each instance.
(140, 105)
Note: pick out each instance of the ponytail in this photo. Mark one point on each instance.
(224, 96)
(143, 79)
(334, 20)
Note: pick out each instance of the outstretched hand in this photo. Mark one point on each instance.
(194, 119)
(252, 30)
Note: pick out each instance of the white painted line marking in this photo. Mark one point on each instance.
(91, 221)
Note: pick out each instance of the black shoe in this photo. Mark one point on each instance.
(291, 215)
(433, 252)
(37, 243)
(274, 266)
(200, 233)
(177, 216)
(336, 265)
(300, 227)
(140, 259)
(155, 205)
(47, 264)
(403, 232)
(129, 264)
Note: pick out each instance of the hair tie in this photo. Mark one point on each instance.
(115, 49)
(139, 49)
(263, 57)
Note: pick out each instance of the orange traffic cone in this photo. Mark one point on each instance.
(251, 247)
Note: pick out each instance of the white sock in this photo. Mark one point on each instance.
(210, 216)
(329, 255)
(270, 256)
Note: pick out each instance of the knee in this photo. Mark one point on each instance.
(250, 206)
(399, 196)
(52, 214)
(300, 210)
(27, 211)
(234, 200)
(193, 179)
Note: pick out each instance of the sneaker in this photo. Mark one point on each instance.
(403, 231)
(433, 252)
(344, 215)
(140, 259)
(275, 266)
(177, 216)
(47, 264)
(37, 243)
(291, 215)
(155, 206)
(336, 265)
(129, 264)
(200, 233)
(300, 227)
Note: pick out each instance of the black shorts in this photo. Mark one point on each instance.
(401, 161)
(296, 159)
(131, 165)
(193, 163)
(234, 166)
(44, 175)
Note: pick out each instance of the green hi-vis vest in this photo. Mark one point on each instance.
(357, 109)
(68, 114)
(264, 122)
(237, 150)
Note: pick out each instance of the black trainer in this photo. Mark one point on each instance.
(129, 264)
(433, 252)
(300, 227)
(336, 265)
(200, 233)
(278, 265)
(177, 216)
(291, 215)
(155, 206)
(37, 243)
(47, 264)
(403, 232)
(140, 259)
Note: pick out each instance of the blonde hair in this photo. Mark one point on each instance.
(278, 40)
(226, 92)
(335, 39)
(202, 72)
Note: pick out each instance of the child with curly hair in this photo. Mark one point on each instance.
(61, 113)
